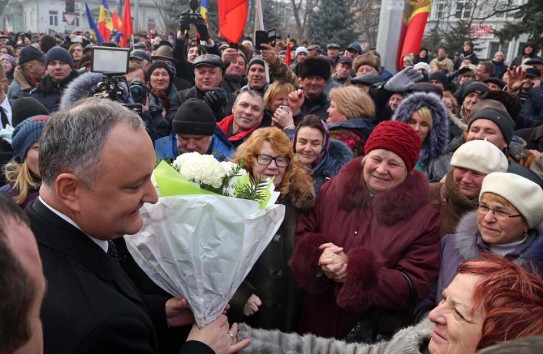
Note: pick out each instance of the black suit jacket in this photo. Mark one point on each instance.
(91, 305)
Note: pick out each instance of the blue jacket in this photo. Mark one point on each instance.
(221, 148)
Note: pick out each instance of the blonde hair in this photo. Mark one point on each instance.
(426, 115)
(276, 89)
(352, 102)
(282, 145)
(449, 95)
(19, 176)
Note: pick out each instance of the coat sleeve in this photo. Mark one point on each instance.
(281, 71)
(370, 282)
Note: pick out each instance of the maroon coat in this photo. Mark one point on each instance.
(388, 237)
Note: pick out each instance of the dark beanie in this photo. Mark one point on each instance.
(439, 76)
(30, 53)
(475, 86)
(194, 117)
(161, 64)
(257, 59)
(315, 66)
(502, 119)
(59, 53)
(25, 107)
(398, 137)
(26, 134)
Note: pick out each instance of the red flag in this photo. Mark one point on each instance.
(117, 23)
(420, 9)
(289, 50)
(127, 24)
(232, 19)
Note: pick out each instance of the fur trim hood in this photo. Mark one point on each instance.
(390, 207)
(469, 244)
(84, 86)
(20, 78)
(436, 143)
(337, 155)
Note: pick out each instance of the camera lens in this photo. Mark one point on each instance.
(137, 92)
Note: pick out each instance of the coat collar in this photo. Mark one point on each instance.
(390, 207)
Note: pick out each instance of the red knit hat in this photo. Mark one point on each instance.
(397, 137)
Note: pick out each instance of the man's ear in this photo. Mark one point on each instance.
(68, 190)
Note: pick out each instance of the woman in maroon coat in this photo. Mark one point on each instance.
(369, 250)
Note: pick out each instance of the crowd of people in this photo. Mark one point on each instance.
(414, 200)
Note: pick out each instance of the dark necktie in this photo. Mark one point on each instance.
(5, 121)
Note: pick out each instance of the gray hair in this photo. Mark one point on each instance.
(73, 139)
(251, 92)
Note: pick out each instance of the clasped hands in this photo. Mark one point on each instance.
(333, 262)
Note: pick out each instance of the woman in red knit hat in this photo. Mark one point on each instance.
(369, 249)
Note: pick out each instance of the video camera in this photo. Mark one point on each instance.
(112, 63)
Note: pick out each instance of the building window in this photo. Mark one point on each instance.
(441, 8)
(151, 24)
(53, 18)
(464, 9)
(77, 21)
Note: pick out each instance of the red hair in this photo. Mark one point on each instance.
(511, 297)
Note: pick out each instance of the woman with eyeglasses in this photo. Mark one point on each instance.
(507, 223)
(269, 298)
(321, 156)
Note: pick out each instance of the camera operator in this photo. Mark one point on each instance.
(91, 84)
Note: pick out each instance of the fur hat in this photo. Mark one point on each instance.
(525, 195)
(397, 137)
(315, 66)
(61, 54)
(194, 117)
(481, 156)
(25, 107)
(502, 119)
(438, 138)
(25, 134)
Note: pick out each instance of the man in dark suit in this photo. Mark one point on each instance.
(96, 160)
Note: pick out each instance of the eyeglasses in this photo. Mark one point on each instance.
(280, 161)
(483, 209)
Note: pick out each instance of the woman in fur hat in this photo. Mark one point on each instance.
(369, 249)
(321, 156)
(425, 113)
(269, 298)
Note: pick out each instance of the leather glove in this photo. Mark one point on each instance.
(403, 80)
(184, 22)
(201, 27)
(216, 99)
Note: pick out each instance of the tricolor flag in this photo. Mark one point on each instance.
(203, 9)
(232, 19)
(105, 24)
(94, 30)
(419, 11)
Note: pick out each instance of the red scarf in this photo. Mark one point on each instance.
(227, 122)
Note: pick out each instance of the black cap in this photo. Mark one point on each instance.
(345, 60)
(533, 72)
(476, 86)
(194, 117)
(208, 60)
(30, 53)
(332, 46)
(426, 87)
(502, 119)
(140, 55)
(496, 81)
(439, 76)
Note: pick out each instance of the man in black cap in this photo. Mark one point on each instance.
(531, 97)
(207, 77)
(467, 54)
(314, 72)
(332, 50)
(28, 74)
(194, 130)
(60, 72)
(343, 70)
(439, 79)
(140, 57)
(471, 95)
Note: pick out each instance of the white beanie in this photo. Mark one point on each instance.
(481, 156)
(423, 65)
(301, 50)
(525, 195)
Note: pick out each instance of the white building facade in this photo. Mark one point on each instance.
(485, 20)
(41, 16)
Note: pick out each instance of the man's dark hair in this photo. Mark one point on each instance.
(16, 289)
(47, 42)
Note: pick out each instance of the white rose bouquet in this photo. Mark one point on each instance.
(200, 240)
